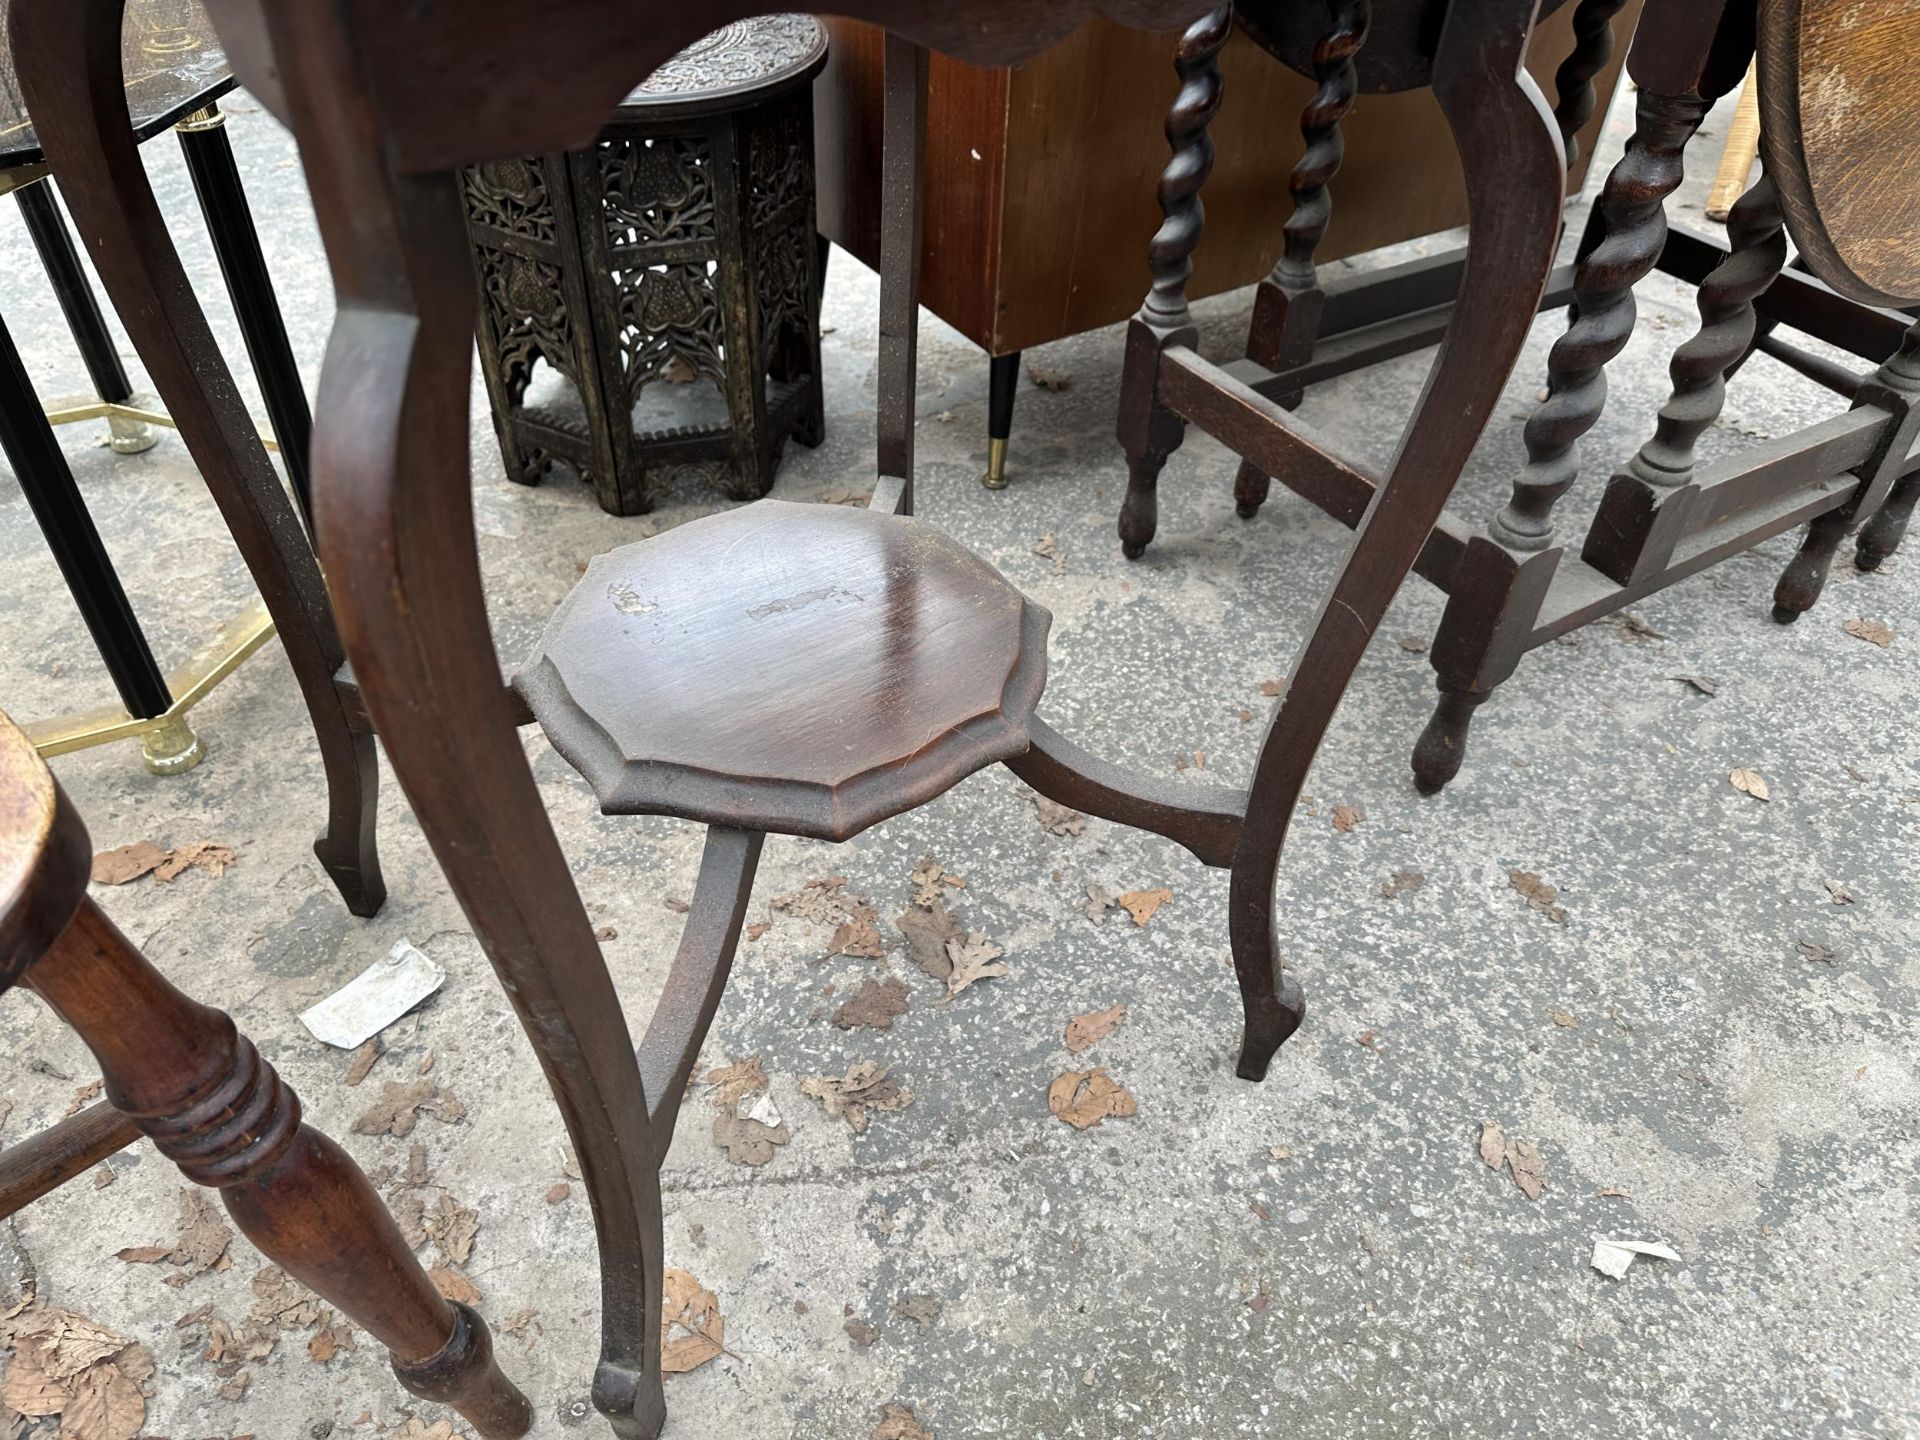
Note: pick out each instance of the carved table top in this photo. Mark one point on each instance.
(174, 65)
(746, 62)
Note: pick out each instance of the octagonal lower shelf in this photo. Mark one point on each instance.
(802, 669)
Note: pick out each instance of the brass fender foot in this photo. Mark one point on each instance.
(172, 747)
(996, 476)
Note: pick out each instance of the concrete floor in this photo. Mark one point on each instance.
(1690, 1075)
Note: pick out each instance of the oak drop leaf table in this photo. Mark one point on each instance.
(1840, 178)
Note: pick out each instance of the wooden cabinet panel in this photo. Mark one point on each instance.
(1040, 179)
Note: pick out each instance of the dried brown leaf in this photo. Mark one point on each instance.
(874, 1004)
(922, 1310)
(1084, 1031)
(1814, 950)
(207, 855)
(898, 1422)
(692, 1331)
(866, 1087)
(927, 933)
(364, 1060)
(452, 1227)
(732, 1083)
(453, 1284)
(82, 1096)
(204, 1235)
(1141, 904)
(975, 958)
(1084, 1098)
(1838, 892)
(106, 1405)
(1402, 882)
(1049, 379)
(858, 934)
(558, 1191)
(128, 862)
(1056, 819)
(748, 1141)
(1750, 782)
(1539, 894)
(401, 1104)
(1493, 1145)
(859, 1331)
(1098, 901)
(1522, 1158)
(1874, 632)
(1529, 1167)
(928, 877)
(1345, 817)
(818, 900)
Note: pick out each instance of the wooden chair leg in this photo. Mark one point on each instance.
(201, 1092)
(1148, 431)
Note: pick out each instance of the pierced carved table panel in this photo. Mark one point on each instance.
(650, 305)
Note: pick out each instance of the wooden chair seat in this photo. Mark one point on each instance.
(44, 856)
(805, 669)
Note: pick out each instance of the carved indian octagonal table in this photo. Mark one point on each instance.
(664, 278)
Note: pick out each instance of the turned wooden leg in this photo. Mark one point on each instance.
(1492, 609)
(1149, 432)
(1140, 511)
(1884, 490)
(1442, 746)
(1627, 229)
(1573, 81)
(1881, 535)
(201, 1092)
(1289, 305)
(1250, 487)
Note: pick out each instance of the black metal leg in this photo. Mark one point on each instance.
(48, 230)
(62, 515)
(216, 180)
(1003, 379)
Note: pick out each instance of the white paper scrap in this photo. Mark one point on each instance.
(765, 1111)
(1612, 1257)
(375, 998)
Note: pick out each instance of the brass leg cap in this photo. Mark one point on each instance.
(996, 476)
(129, 437)
(172, 747)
